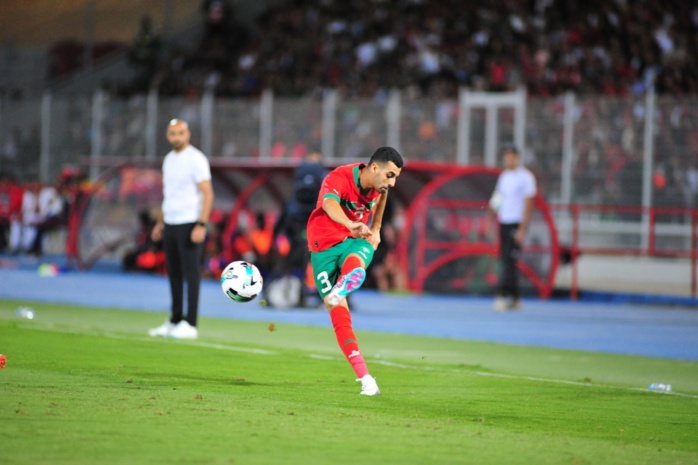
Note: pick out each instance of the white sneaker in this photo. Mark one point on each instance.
(184, 330)
(369, 386)
(346, 284)
(163, 330)
(505, 304)
(501, 304)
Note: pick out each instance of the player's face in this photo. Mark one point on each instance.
(384, 176)
(511, 160)
(178, 135)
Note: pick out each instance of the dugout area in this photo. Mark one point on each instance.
(448, 243)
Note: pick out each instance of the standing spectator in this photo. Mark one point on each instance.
(144, 53)
(186, 207)
(342, 245)
(217, 16)
(512, 202)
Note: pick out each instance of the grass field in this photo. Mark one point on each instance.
(86, 386)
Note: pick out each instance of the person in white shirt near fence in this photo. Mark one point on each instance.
(512, 202)
(186, 207)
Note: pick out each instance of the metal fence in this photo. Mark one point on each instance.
(640, 150)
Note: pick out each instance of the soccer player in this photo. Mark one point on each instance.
(342, 244)
(186, 207)
(512, 202)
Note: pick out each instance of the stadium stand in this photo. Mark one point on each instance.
(365, 47)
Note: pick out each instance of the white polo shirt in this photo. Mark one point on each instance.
(181, 174)
(514, 187)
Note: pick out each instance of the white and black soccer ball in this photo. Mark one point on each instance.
(241, 281)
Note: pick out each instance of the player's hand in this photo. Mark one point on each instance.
(520, 235)
(198, 234)
(359, 229)
(156, 233)
(374, 239)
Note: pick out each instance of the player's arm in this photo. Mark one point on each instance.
(495, 199)
(523, 226)
(331, 206)
(198, 234)
(377, 221)
(156, 233)
(530, 192)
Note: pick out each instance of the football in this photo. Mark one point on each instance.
(241, 281)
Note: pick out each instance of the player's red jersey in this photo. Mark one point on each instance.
(341, 184)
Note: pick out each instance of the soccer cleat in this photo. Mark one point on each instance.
(346, 284)
(183, 330)
(369, 386)
(163, 330)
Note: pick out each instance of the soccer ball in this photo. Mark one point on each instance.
(241, 281)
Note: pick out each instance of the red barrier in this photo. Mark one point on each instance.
(651, 250)
(463, 192)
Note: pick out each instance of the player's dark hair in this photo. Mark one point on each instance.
(510, 148)
(383, 155)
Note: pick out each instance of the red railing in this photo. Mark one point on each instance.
(646, 217)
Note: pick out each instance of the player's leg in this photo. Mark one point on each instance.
(171, 240)
(341, 322)
(353, 262)
(173, 266)
(509, 256)
(191, 254)
(325, 270)
(514, 271)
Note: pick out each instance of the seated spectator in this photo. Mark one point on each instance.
(11, 194)
(147, 255)
(23, 226)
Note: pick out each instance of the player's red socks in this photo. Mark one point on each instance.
(341, 321)
(350, 263)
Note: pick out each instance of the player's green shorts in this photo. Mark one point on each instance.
(328, 264)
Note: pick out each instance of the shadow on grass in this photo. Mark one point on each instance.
(173, 377)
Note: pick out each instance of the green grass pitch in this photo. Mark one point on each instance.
(87, 386)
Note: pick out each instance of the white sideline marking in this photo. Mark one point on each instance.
(502, 375)
(334, 358)
(154, 339)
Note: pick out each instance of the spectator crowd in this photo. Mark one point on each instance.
(432, 47)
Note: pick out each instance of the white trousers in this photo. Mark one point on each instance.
(21, 236)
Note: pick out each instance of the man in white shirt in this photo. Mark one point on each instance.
(512, 202)
(186, 206)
